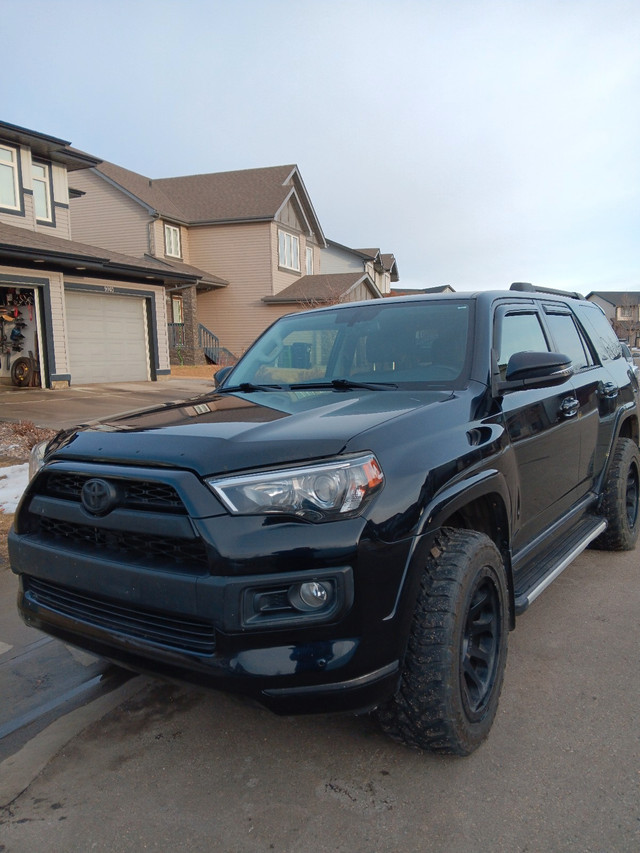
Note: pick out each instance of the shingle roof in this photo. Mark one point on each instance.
(229, 196)
(322, 288)
(143, 188)
(29, 245)
(216, 197)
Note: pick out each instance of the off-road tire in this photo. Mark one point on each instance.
(621, 499)
(454, 664)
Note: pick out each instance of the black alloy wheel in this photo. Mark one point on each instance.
(480, 648)
(454, 664)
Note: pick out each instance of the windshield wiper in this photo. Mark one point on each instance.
(343, 385)
(247, 388)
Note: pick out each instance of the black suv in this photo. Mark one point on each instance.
(354, 517)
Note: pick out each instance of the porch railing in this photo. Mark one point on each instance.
(176, 335)
(207, 342)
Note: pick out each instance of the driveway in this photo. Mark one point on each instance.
(66, 407)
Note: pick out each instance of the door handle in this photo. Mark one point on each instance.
(609, 390)
(569, 407)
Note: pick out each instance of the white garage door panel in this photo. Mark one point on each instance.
(107, 338)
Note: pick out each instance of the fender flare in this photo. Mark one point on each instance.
(444, 504)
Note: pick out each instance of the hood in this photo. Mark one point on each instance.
(217, 434)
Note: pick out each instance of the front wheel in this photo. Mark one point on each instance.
(455, 660)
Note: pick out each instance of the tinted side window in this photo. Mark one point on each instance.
(599, 330)
(568, 340)
(519, 333)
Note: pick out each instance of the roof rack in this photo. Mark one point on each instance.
(526, 287)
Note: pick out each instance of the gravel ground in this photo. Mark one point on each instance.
(16, 440)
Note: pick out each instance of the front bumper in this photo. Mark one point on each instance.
(297, 677)
(207, 599)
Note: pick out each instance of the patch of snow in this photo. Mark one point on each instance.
(13, 482)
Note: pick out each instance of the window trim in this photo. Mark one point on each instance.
(172, 234)
(288, 250)
(15, 166)
(48, 185)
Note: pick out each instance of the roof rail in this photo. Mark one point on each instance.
(526, 287)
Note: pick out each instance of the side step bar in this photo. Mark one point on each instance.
(534, 580)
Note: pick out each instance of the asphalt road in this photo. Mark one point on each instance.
(152, 766)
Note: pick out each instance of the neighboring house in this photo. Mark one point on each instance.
(382, 269)
(254, 232)
(70, 311)
(623, 312)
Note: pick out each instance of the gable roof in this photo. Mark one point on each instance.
(330, 287)
(390, 265)
(245, 195)
(20, 245)
(386, 262)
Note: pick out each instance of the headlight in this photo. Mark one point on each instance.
(36, 457)
(324, 492)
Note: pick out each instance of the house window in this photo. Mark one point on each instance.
(9, 178)
(626, 312)
(172, 241)
(288, 250)
(176, 309)
(41, 191)
(309, 260)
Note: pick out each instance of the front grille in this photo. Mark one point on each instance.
(159, 629)
(158, 552)
(133, 494)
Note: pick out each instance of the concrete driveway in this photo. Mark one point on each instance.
(67, 407)
(172, 768)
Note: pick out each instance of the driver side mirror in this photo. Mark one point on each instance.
(220, 375)
(536, 370)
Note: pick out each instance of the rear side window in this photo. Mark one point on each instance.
(569, 341)
(599, 330)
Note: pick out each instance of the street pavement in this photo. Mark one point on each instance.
(130, 763)
(161, 767)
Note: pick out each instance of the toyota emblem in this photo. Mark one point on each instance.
(98, 496)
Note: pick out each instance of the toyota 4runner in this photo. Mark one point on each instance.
(354, 517)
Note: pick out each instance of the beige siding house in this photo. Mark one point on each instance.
(70, 311)
(252, 235)
(622, 308)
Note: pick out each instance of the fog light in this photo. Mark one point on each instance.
(311, 595)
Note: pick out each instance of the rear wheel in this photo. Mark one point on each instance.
(454, 665)
(621, 499)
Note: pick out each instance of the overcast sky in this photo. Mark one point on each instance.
(481, 142)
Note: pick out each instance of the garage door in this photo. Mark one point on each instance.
(107, 338)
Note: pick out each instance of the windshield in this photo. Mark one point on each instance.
(400, 344)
